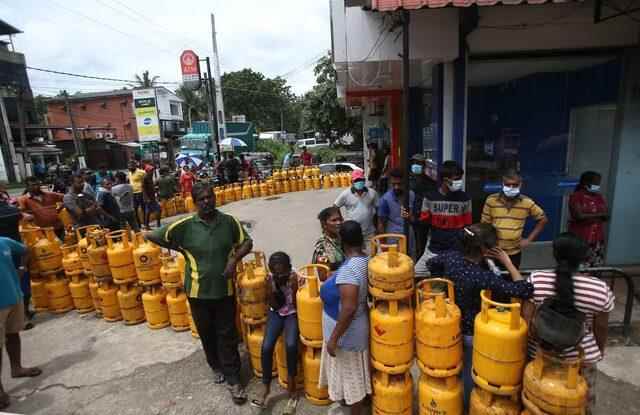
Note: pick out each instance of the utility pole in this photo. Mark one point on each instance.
(77, 143)
(213, 120)
(7, 164)
(282, 124)
(219, 113)
(404, 138)
(25, 167)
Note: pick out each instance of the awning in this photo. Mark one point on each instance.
(390, 5)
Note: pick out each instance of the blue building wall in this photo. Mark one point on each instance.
(533, 113)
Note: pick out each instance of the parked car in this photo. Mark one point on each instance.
(329, 168)
(311, 143)
(263, 167)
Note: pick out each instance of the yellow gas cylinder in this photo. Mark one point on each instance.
(326, 182)
(391, 271)
(237, 191)
(277, 186)
(192, 324)
(499, 346)
(311, 369)
(71, 260)
(97, 252)
(177, 305)
(58, 295)
(301, 184)
(188, 204)
(154, 302)
(130, 302)
(308, 183)
(146, 257)
(48, 253)
(170, 271)
(286, 186)
(309, 304)
(93, 290)
(108, 295)
(438, 336)
(392, 323)
(440, 395)
(345, 180)
(83, 245)
(80, 293)
(392, 393)
(281, 363)
(30, 236)
(246, 191)
(270, 188)
(252, 294)
(483, 402)
(293, 184)
(179, 201)
(554, 386)
(39, 296)
(229, 194)
(255, 188)
(255, 335)
(335, 180)
(276, 175)
(120, 256)
(315, 180)
(170, 207)
(64, 216)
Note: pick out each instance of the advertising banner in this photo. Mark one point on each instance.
(146, 111)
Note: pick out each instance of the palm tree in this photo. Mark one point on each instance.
(194, 101)
(145, 81)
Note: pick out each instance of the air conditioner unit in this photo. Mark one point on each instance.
(99, 135)
(108, 135)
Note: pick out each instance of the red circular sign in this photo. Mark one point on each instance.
(189, 63)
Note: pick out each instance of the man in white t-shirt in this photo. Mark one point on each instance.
(359, 203)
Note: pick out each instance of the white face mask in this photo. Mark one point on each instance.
(456, 185)
(511, 192)
(593, 188)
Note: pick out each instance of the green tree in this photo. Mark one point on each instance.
(263, 100)
(195, 102)
(322, 111)
(145, 81)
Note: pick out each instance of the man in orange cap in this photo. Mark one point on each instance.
(359, 203)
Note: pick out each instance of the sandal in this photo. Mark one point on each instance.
(261, 400)
(238, 394)
(290, 408)
(218, 377)
(28, 372)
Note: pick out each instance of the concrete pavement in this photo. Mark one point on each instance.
(93, 367)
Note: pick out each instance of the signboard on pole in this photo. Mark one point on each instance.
(190, 67)
(146, 111)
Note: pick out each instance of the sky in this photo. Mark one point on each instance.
(120, 38)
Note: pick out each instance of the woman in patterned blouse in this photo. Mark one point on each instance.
(328, 249)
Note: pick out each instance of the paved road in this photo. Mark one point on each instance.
(96, 368)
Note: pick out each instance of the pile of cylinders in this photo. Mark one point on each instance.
(79, 283)
(499, 357)
(48, 256)
(439, 348)
(391, 285)
(309, 308)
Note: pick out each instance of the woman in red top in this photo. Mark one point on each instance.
(589, 212)
(186, 181)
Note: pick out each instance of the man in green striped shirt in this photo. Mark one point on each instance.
(212, 243)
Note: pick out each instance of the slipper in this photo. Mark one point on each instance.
(5, 401)
(218, 377)
(29, 372)
(238, 394)
(28, 326)
(260, 401)
(290, 408)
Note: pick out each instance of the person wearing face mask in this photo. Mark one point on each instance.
(391, 213)
(508, 212)
(359, 203)
(469, 274)
(447, 210)
(589, 212)
(328, 248)
(213, 243)
(421, 185)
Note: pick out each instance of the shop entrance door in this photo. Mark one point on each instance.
(590, 146)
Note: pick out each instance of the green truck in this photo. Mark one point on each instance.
(198, 142)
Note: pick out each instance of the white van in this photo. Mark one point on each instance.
(311, 143)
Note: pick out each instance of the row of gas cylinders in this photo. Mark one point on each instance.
(252, 303)
(547, 385)
(95, 274)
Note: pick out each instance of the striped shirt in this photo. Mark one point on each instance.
(508, 220)
(448, 215)
(591, 296)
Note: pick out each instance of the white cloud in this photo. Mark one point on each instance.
(271, 37)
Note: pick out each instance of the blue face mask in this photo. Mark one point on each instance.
(511, 192)
(359, 185)
(456, 185)
(594, 188)
(416, 169)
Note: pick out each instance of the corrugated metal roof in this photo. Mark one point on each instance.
(390, 5)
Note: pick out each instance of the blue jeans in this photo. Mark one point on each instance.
(467, 360)
(275, 325)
